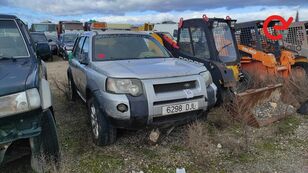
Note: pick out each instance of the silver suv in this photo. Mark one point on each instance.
(129, 80)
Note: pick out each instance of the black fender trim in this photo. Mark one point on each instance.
(138, 110)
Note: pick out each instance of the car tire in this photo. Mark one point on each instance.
(47, 145)
(50, 145)
(72, 89)
(103, 133)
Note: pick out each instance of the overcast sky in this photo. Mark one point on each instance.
(140, 11)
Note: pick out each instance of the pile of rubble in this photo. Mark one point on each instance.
(272, 107)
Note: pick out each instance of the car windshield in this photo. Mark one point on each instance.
(44, 27)
(69, 38)
(224, 42)
(39, 38)
(52, 37)
(11, 40)
(122, 46)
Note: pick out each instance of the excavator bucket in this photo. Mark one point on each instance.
(243, 106)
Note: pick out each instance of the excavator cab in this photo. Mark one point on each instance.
(195, 43)
(251, 34)
(296, 40)
(211, 42)
(196, 35)
(261, 55)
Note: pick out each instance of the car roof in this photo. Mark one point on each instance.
(6, 16)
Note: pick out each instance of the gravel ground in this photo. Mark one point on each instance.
(282, 147)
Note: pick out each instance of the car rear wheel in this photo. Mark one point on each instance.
(103, 133)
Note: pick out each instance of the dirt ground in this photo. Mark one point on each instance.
(282, 147)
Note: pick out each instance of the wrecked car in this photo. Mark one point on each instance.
(26, 112)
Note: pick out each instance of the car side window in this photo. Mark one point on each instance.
(78, 46)
(85, 48)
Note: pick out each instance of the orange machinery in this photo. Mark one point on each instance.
(261, 56)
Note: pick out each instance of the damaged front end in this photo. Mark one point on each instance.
(16, 127)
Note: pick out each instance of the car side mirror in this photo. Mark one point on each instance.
(42, 49)
(84, 59)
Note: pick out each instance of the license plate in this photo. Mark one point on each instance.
(179, 108)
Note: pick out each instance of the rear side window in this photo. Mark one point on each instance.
(12, 43)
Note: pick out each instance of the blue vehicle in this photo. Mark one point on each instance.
(40, 37)
(26, 112)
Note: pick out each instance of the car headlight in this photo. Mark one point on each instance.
(19, 102)
(207, 78)
(124, 86)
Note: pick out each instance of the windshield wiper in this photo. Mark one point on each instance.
(7, 58)
(222, 48)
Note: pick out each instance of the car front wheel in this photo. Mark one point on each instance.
(103, 133)
(46, 150)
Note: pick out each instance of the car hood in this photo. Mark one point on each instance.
(13, 75)
(148, 68)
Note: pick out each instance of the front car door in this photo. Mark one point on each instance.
(82, 69)
(74, 64)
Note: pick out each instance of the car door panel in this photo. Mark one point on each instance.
(83, 68)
